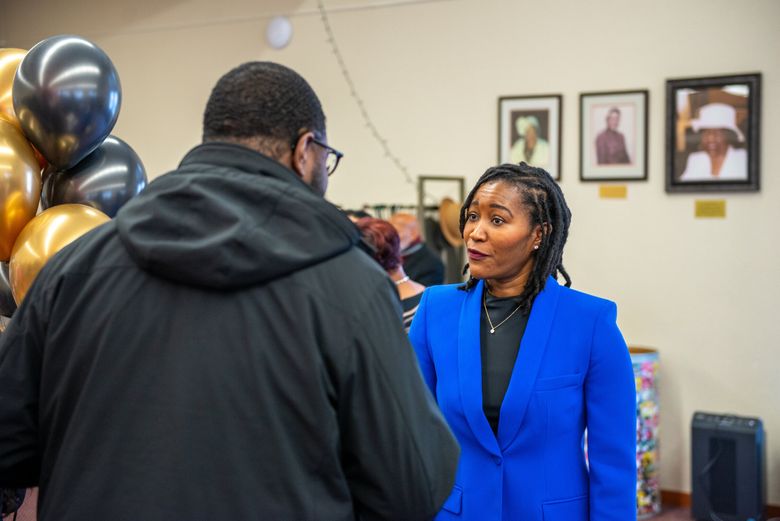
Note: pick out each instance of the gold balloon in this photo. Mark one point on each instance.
(44, 236)
(20, 186)
(9, 62)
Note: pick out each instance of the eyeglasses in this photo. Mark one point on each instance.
(334, 156)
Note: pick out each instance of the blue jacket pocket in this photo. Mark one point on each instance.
(574, 509)
(454, 503)
(558, 382)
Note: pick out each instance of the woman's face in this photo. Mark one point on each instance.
(714, 141)
(499, 235)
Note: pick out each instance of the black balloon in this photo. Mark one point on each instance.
(106, 179)
(67, 96)
(7, 302)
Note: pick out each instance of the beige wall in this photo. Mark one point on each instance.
(701, 291)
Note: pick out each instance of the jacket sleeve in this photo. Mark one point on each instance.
(20, 365)
(399, 455)
(610, 396)
(418, 335)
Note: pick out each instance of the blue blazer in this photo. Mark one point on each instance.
(572, 372)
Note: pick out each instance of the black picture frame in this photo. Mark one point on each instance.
(543, 112)
(619, 153)
(695, 109)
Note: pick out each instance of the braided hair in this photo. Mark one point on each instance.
(546, 206)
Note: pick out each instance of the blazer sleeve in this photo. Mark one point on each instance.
(418, 335)
(610, 398)
(399, 454)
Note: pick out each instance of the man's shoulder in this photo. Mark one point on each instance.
(350, 278)
(97, 250)
(99, 247)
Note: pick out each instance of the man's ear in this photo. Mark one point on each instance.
(301, 154)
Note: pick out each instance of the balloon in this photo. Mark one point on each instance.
(20, 186)
(9, 61)
(7, 303)
(44, 236)
(106, 179)
(67, 96)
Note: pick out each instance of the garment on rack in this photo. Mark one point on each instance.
(423, 265)
(452, 257)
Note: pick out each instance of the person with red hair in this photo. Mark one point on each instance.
(386, 250)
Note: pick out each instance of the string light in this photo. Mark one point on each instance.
(388, 152)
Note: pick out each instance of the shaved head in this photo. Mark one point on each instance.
(407, 227)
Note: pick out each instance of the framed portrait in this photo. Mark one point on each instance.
(529, 129)
(613, 136)
(713, 134)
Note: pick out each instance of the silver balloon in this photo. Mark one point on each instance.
(106, 179)
(7, 303)
(66, 95)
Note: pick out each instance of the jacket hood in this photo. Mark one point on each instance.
(231, 217)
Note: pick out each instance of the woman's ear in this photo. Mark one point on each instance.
(540, 232)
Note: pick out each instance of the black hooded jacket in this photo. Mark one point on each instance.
(221, 350)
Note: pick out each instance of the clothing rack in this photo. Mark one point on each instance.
(423, 180)
(385, 210)
(454, 258)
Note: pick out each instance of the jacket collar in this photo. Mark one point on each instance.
(526, 368)
(233, 155)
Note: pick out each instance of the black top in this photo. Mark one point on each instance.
(410, 306)
(423, 265)
(278, 385)
(499, 351)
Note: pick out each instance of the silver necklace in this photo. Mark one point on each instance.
(401, 281)
(492, 327)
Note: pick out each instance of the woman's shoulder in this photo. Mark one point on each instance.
(697, 166)
(739, 153)
(444, 294)
(584, 301)
(445, 291)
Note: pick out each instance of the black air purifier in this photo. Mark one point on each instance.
(728, 469)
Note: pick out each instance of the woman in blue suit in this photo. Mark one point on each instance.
(522, 366)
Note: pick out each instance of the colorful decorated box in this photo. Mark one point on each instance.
(648, 491)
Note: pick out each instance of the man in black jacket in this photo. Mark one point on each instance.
(221, 349)
(420, 262)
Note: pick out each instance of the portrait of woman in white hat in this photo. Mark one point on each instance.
(531, 147)
(719, 157)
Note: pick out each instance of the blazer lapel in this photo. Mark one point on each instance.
(526, 368)
(470, 369)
